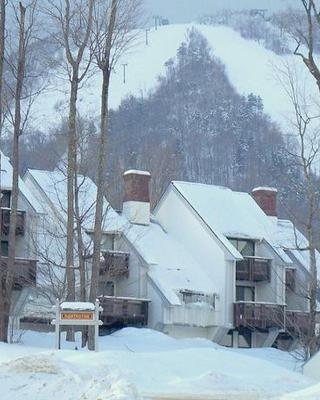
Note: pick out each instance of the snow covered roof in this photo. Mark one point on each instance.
(294, 243)
(136, 172)
(6, 183)
(171, 267)
(229, 214)
(54, 186)
(266, 188)
(77, 305)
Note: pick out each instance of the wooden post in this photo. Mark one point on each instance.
(96, 326)
(57, 327)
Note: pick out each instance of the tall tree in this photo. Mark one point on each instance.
(25, 35)
(74, 21)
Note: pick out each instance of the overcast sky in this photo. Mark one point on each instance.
(189, 10)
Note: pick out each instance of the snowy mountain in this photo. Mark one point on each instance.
(251, 69)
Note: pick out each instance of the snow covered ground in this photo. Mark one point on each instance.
(251, 69)
(143, 364)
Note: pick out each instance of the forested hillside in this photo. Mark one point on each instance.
(194, 126)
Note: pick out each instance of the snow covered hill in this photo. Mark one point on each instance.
(250, 67)
(144, 364)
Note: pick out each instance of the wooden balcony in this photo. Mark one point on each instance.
(25, 272)
(297, 322)
(115, 264)
(5, 221)
(124, 311)
(268, 315)
(253, 269)
(258, 315)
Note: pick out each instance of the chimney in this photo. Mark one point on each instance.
(136, 201)
(266, 198)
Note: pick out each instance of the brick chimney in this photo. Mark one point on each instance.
(266, 198)
(136, 201)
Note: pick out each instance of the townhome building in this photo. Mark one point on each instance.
(209, 262)
(29, 212)
(206, 262)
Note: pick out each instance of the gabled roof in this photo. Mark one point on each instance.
(171, 266)
(6, 183)
(54, 186)
(230, 214)
(295, 243)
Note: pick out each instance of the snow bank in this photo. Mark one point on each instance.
(141, 363)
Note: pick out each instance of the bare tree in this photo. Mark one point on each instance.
(305, 125)
(2, 46)
(109, 41)
(25, 29)
(74, 27)
(2, 50)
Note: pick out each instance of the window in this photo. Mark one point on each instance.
(245, 293)
(106, 288)
(6, 198)
(4, 248)
(109, 242)
(245, 247)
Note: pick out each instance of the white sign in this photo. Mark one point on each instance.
(74, 314)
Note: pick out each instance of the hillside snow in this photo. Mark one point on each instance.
(250, 67)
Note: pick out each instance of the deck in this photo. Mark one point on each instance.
(268, 315)
(124, 311)
(5, 221)
(25, 272)
(115, 264)
(254, 269)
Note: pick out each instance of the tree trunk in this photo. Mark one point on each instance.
(104, 65)
(4, 312)
(15, 174)
(82, 265)
(70, 184)
(71, 286)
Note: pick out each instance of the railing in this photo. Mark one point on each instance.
(297, 322)
(199, 314)
(5, 221)
(269, 315)
(24, 272)
(115, 264)
(124, 310)
(258, 315)
(254, 269)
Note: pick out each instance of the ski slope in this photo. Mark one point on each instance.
(251, 69)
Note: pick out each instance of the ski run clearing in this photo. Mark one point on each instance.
(143, 364)
(250, 67)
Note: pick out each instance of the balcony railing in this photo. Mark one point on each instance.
(115, 264)
(124, 311)
(258, 315)
(270, 315)
(199, 315)
(254, 269)
(5, 221)
(297, 322)
(24, 271)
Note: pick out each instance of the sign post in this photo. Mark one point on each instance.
(75, 314)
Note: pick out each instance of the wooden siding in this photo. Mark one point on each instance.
(253, 269)
(124, 311)
(25, 272)
(115, 264)
(5, 222)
